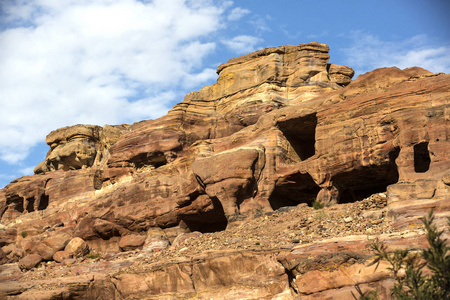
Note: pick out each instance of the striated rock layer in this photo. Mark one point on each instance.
(281, 128)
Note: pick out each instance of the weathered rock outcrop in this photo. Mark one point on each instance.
(281, 127)
(79, 146)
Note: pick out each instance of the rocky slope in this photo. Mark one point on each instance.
(214, 199)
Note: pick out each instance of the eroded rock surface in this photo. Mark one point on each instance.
(281, 128)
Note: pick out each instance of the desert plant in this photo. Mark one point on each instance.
(367, 295)
(317, 204)
(92, 255)
(414, 284)
(24, 234)
(320, 215)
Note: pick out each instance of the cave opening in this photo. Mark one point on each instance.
(17, 203)
(293, 190)
(30, 204)
(156, 160)
(301, 135)
(43, 203)
(421, 158)
(358, 184)
(211, 221)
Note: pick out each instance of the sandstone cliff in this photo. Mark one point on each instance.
(213, 199)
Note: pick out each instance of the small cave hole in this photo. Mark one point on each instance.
(155, 160)
(30, 204)
(301, 134)
(212, 221)
(421, 158)
(295, 189)
(43, 203)
(17, 203)
(159, 162)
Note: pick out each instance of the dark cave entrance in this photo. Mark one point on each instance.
(30, 205)
(157, 159)
(212, 221)
(421, 158)
(360, 183)
(301, 134)
(18, 203)
(293, 190)
(43, 203)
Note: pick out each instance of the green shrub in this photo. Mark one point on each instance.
(92, 255)
(24, 234)
(414, 284)
(320, 215)
(317, 204)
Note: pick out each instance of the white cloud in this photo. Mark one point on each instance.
(367, 52)
(242, 44)
(100, 62)
(237, 13)
(259, 23)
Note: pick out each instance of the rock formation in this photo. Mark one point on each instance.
(281, 128)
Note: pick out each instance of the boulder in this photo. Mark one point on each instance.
(30, 261)
(8, 248)
(60, 256)
(106, 229)
(58, 241)
(131, 242)
(45, 251)
(28, 245)
(77, 247)
(342, 75)
(156, 240)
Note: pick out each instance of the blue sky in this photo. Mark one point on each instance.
(66, 62)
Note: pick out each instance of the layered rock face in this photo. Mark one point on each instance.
(281, 127)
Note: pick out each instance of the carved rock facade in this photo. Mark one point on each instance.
(281, 127)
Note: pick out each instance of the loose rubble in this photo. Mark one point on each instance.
(281, 230)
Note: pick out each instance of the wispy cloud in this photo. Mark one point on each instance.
(260, 23)
(100, 62)
(290, 34)
(242, 44)
(367, 52)
(237, 13)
